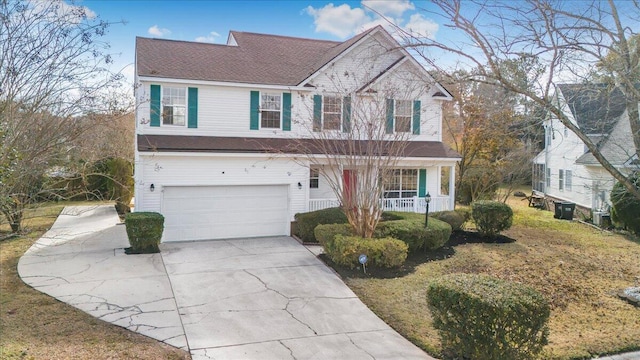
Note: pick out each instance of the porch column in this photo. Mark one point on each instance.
(452, 187)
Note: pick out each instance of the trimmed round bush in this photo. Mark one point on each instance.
(491, 217)
(325, 233)
(484, 318)
(307, 222)
(411, 230)
(454, 218)
(144, 230)
(626, 207)
(386, 252)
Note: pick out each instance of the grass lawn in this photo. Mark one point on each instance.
(579, 269)
(36, 326)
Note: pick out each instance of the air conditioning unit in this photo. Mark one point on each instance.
(597, 217)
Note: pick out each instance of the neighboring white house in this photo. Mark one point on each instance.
(218, 128)
(566, 170)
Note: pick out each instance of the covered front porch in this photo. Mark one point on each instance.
(413, 204)
(406, 190)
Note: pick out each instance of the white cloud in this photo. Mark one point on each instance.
(388, 7)
(420, 27)
(159, 32)
(211, 37)
(341, 21)
(60, 9)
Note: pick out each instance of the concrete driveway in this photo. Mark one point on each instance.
(263, 298)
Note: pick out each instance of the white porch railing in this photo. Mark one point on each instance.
(414, 204)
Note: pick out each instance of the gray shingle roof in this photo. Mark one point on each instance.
(257, 59)
(211, 144)
(596, 107)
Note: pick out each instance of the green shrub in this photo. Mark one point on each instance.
(491, 217)
(483, 318)
(325, 233)
(112, 180)
(411, 230)
(144, 230)
(454, 218)
(385, 252)
(307, 222)
(626, 207)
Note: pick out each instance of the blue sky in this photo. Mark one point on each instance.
(210, 21)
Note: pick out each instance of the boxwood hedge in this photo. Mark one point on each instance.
(385, 252)
(484, 318)
(307, 222)
(144, 230)
(491, 217)
(410, 229)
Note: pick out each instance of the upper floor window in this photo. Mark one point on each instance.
(402, 116)
(403, 183)
(314, 178)
(174, 109)
(270, 106)
(331, 113)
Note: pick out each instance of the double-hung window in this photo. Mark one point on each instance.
(568, 180)
(314, 178)
(174, 110)
(331, 112)
(561, 179)
(403, 113)
(403, 183)
(270, 110)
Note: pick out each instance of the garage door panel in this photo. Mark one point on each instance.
(218, 212)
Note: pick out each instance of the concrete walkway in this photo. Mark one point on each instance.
(266, 298)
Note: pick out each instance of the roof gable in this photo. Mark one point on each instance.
(595, 107)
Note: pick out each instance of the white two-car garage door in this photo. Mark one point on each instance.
(223, 212)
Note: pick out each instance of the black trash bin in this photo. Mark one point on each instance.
(567, 210)
(564, 210)
(558, 209)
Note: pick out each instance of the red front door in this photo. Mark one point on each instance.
(349, 187)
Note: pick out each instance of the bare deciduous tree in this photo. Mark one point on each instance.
(53, 69)
(571, 39)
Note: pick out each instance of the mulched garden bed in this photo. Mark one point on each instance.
(416, 258)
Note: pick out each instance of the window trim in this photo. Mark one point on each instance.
(395, 116)
(260, 109)
(401, 190)
(314, 175)
(185, 106)
(324, 103)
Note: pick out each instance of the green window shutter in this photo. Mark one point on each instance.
(317, 112)
(416, 117)
(422, 182)
(254, 110)
(346, 114)
(286, 111)
(192, 121)
(155, 105)
(389, 127)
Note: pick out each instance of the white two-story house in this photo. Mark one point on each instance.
(220, 129)
(566, 170)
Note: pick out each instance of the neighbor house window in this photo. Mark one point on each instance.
(331, 112)
(548, 177)
(403, 183)
(568, 179)
(174, 110)
(270, 106)
(403, 112)
(561, 179)
(314, 178)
